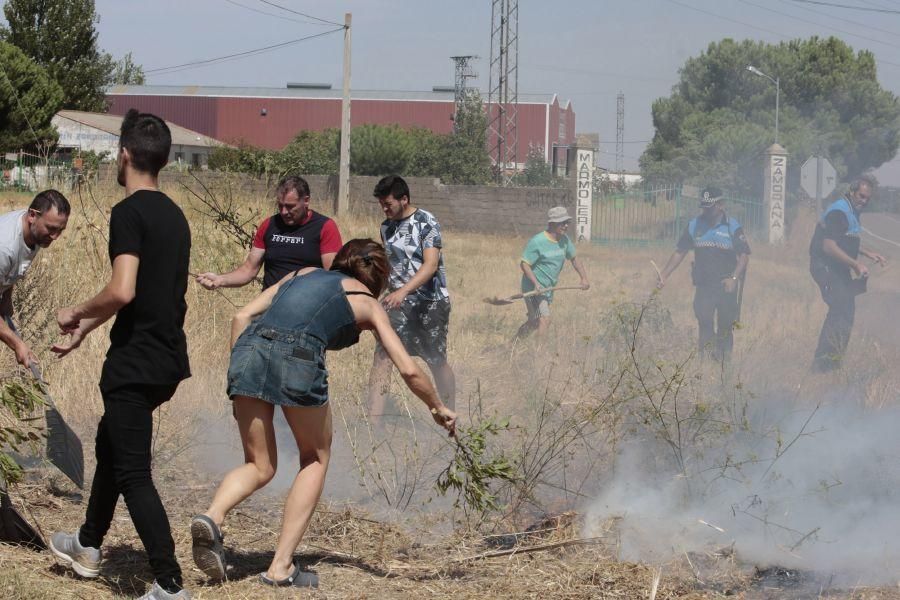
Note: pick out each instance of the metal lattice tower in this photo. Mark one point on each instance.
(620, 136)
(464, 72)
(503, 91)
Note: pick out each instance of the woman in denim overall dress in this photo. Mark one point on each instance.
(278, 359)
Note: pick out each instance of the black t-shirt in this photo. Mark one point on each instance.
(712, 264)
(836, 226)
(147, 341)
(292, 247)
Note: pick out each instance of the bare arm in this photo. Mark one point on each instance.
(872, 255)
(256, 307)
(579, 268)
(241, 276)
(370, 315)
(670, 267)
(327, 259)
(24, 355)
(526, 269)
(117, 293)
(423, 275)
(78, 321)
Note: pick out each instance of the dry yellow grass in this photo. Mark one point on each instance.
(387, 470)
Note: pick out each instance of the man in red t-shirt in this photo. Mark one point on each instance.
(294, 238)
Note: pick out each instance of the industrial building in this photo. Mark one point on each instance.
(99, 132)
(272, 117)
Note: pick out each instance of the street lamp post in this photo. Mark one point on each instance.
(777, 82)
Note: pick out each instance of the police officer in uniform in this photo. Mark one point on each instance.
(721, 254)
(833, 259)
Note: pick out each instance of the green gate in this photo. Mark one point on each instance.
(28, 172)
(656, 215)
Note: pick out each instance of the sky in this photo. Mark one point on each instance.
(586, 51)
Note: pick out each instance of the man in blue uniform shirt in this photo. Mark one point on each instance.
(721, 254)
(833, 259)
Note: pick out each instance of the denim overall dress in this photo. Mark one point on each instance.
(280, 357)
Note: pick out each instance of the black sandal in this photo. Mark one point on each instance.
(299, 578)
(209, 553)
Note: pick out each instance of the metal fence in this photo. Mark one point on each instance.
(653, 215)
(28, 172)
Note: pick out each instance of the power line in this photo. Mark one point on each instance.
(199, 63)
(808, 22)
(297, 12)
(781, 35)
(862, 8)
(857, 23)
(556, 68)
(282, 17)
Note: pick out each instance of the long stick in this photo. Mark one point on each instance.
(539, 548)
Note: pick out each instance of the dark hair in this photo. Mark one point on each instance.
(861, 181)
(292, 183)
(148, 139)
(364, 260)
(50, 198)
(392, 185)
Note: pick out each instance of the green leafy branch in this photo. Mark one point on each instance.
(20, 422)
(473, 471)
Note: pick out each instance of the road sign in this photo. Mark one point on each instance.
(818, 177)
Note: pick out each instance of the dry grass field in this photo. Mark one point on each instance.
(617, 367)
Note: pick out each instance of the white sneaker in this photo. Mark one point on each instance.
(157, 593)
(84, 561)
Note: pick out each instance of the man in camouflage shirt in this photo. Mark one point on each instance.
(418, 303)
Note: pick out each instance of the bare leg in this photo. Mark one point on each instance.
(543, 326)
(379, 383)
(254, 418)
(312, 431)
(445, 381)
(526, 329)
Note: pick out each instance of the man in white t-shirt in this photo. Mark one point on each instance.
(22, 233)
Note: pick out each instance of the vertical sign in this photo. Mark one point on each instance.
(584, 194)
(776, 172)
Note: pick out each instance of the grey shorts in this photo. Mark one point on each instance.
(537, 306)
(278, 366)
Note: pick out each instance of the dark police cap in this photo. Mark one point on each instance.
(710, 196)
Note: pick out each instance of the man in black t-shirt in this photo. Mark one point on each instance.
(721, 254)
(294, 238)
(833, 259)
(149, 247)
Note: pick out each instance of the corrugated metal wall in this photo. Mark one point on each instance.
(234, 119)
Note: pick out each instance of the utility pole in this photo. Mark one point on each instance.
(464, 72)
(343, 201)
(503, 89)
(620, 137)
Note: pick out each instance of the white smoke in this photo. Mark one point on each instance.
(829, 502)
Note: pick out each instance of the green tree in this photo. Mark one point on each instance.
(379, 150)
(59, 35)
(127, 72)
(28, 100)
(312, 153)
(719, 119)
(466, 159)
(537, 171)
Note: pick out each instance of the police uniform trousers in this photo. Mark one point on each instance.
(716, 311)
(839, 294)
